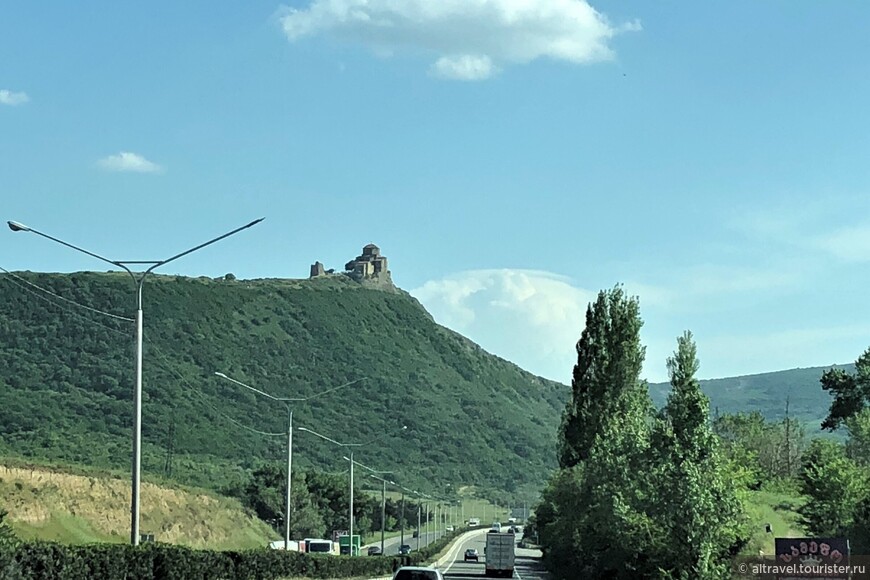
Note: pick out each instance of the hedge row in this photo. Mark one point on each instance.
(50, 561)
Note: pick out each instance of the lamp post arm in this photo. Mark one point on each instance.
(324, 437)
(250, 388)
(208, 243)
(15, 226)
(326, 391)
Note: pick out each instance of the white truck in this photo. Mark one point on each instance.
(499, 554)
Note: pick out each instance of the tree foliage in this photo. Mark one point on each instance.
(837, 489)
(693, 502)
(605, 386)
(320, 503)
(765, 451)
(851, 392)
(66, 376)
(639, 494)
(7, 536)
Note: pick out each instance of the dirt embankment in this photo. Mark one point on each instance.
(37, 498)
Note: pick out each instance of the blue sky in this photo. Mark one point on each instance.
(510, 158)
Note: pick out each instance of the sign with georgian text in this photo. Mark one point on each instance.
(813, 557)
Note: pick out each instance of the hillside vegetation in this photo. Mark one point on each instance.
(767, 393)
(69, 508)
(66, 376)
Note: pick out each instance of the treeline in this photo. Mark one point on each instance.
(642, 493)
(320, 503)
(835, 476)
(639, 493)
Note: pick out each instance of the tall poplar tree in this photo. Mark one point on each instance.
(592, 524)
(606, 385)
(693, 503)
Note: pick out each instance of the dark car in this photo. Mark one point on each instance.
(405, 549)
(471, 554)
(374, 551)
(417, 573)
(416, 534)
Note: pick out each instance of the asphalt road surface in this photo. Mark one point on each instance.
(391, 545)
(527, 567)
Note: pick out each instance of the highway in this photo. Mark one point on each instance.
(528, 562)
(391, 545)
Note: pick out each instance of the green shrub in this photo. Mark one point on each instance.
(50, 561)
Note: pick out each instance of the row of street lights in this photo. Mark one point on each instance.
(286, 401)
(138, 279)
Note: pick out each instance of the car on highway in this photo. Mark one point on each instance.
(471, 554)
(416, 534)
(374, 551)
(449, 528)
(405, 549)
(417, 573)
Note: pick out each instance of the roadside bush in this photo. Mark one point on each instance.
(50, 561)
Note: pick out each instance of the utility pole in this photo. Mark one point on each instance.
(419, 505)
(402, 517)
(383, 513)
(170, 449)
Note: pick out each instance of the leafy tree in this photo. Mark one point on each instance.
(606, 382)
(603, 438)
(693, 505)
(851, 391)
(7, 536)
(835, 487)
(762, 450)
(858, 443)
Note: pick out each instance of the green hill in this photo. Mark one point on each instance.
(767, 393)
(66, 376)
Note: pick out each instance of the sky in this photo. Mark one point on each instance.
(511, 158)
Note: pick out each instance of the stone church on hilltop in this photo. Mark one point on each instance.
(369, 269)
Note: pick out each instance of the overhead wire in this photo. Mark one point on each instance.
(166, 366)
(58, 296)
(196, 390)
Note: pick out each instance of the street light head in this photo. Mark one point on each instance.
(17, 227)
(304, 429)
(221, 375)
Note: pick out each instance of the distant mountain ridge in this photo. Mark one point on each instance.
(766, 393)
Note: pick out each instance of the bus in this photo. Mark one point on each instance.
(317, 546)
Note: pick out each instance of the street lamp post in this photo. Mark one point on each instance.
(138, 281)
(286, 401)
(383, 497)
(351, 447)
(419, 506)
(402, 517)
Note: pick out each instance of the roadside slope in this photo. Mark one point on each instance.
(76, 509)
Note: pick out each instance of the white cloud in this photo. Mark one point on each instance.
(531, 318)
(11, 98)
(535, 318)
(464, 68)
(470, 37)
(126, 161)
